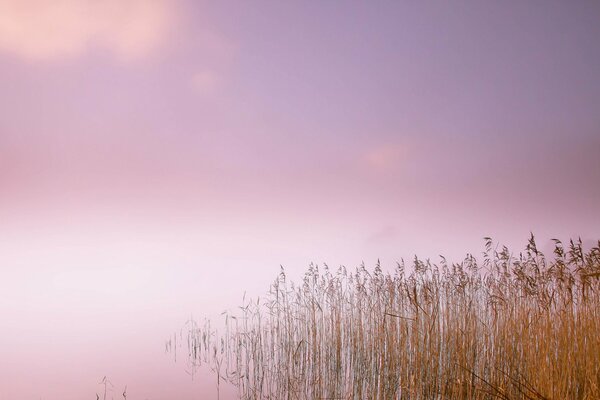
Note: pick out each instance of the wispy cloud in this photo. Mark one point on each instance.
(206, 81)
(219, 53)
(387, 157)
(41, 30)
(386, 234)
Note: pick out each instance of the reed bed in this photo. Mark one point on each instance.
(509, 327)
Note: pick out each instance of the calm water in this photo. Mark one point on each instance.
(80, 304)
(62, 329)
(60, 356)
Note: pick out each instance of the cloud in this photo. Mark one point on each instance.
(386, 234)
(219, 54)
(385, 157)
(206, 81)
(40, 30)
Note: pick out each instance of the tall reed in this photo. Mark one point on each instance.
(510, 327)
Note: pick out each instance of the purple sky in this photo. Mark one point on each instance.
(159, 158)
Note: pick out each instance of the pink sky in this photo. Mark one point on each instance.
(160, 158)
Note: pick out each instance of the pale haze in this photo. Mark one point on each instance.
(159, 159)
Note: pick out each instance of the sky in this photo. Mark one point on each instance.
(160, 158)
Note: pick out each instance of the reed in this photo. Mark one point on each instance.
(509, 327)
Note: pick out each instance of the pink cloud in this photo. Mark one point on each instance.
(386, 157)
(206, 81)
(386, 234)
(45, 30)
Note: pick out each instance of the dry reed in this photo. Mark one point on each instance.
(523, 327)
